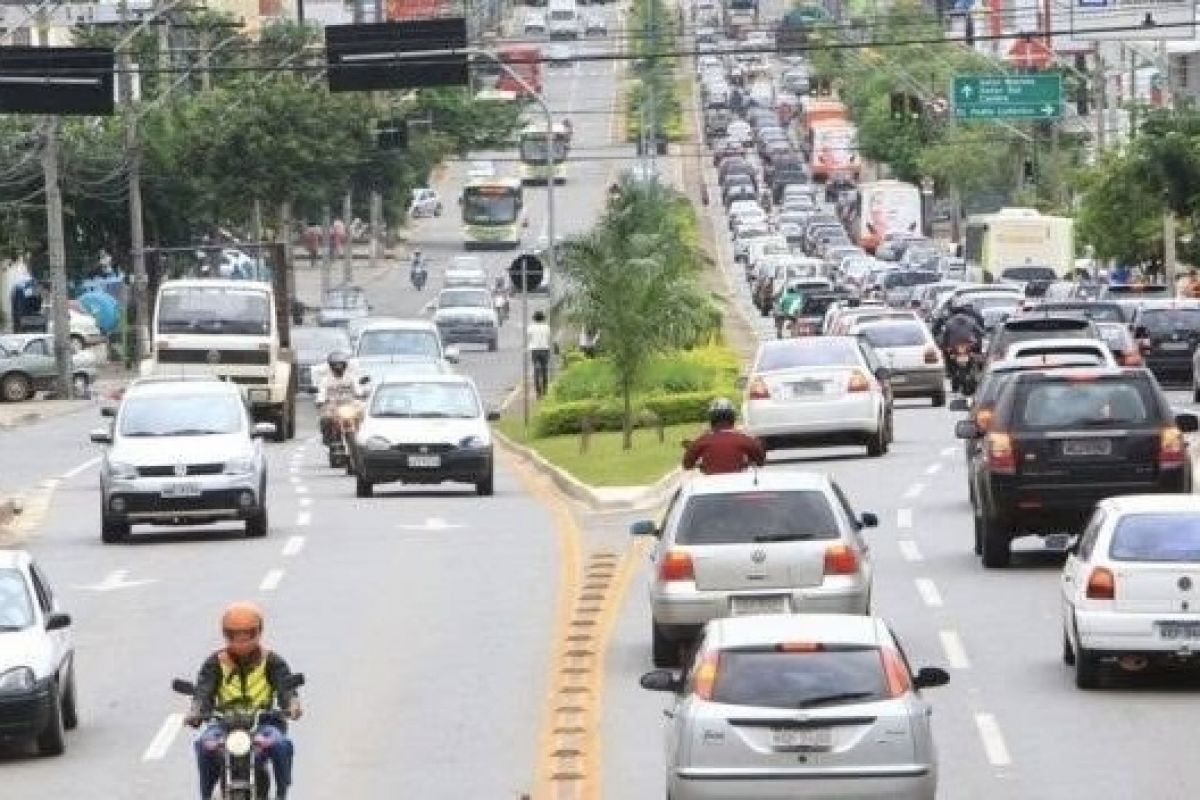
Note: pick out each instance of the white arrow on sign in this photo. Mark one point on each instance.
(1047, 109)
(966, 91)
(431, 524)
(116, 580)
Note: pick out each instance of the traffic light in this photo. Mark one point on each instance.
(969, 31)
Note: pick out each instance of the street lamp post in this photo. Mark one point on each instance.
(927, 206)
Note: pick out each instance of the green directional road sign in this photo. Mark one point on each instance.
(1008, 96)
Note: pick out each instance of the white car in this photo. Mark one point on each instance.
(467, 315)
(425, 203)
(37, 658)
(818, 391)
(1128, 587)
(388, 338)
(800, 706)
(595, 25)
(427, 429)
(774, 542)
(535, 23)
(913, 359)
(1096, 348)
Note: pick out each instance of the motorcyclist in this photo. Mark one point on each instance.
(965, 326)
(244, 676)
(787, 305)
(335, 388)
(723, 448)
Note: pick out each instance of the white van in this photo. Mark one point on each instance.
(563, 20)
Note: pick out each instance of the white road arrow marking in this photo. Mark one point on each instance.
(117, 580)
(431, 524)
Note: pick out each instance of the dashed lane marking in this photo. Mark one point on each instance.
(303, 519)
(904, 518)
(300, 489)
(911, 492)
(952, 646)
(929, 592)
(910, 551)
(305, 502)
(949, 451)
(84, 467)
(162, 740)
(933, 469)
(293, 546)
(270, 581)
(994, 745)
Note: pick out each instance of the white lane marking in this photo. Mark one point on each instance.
(949, 451)
(294, 471)
(929, 592)
(933, 469)
(913, 491)
(270, 581)
(904, 518)
(303, 518)
(162, 740)
(84, 467)
(956, 654)
(910, 551)
(300, 489)
(117, 580)
(431, 524)
(993, 740)
(305, 502)
(293, 545)
(49, 483)
(294, 478)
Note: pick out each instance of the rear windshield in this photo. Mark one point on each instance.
(1170, 319)
(985, 301)
(1083, 404)
(902, 335)
(1008, 336)
(1099, 312)
(771, 679)
(801, 353)
(1028, 274)
(1157, 537)
(756, 516)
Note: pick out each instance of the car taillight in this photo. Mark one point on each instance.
(841, 559)
(858, 382)
(676, 566)
(1101, 585)
(983, 418)
(899, 682)
(704, 678)
(799, 647)
(758, 390)
(1171, 448)
(931, 355)
(1001, 455)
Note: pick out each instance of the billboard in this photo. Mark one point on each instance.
(402, 10)
(1123, 20)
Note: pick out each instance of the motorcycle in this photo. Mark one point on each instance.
(501, 304)
(244, 773)
(346, 415)
(418, 275)
(963, 369)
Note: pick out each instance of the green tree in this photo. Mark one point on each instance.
(1119, 216)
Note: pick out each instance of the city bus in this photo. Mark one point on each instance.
(491, 213)
(1018, 238)
(833, 150)
(538, 164)
(885, 207)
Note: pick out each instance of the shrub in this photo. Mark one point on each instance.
(703, 368)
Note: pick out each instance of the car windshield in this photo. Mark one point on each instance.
(1027, 274)
(982, 301)
(214, 309)
(464, 299)
(1157, 537)
(1167, 320)
(758, 516)
(315, 344)
(895, 335)
(16, 606)
(428, 400)
(820, 677)
(1082, 403)
(820, 352)
(1100, 312)
(344, 298)
(399, 343)
(181, 415)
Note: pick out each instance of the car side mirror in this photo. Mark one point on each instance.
(263, 429)
(661, 680)
(364, 380)
(493, 416)
(57, 622)
(101, 436)
(959, 404)
(180, 686)
(643, 527)
(453, 354)
(967, 429)
(929, 677)
(1140, 332)
(883, 373)
(108, 411)
(294, 681)
(868, 520)
(1187, 422)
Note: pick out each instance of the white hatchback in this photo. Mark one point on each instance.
(1129, 587)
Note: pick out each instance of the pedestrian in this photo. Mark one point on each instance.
(337, 237)
(539, 352)
(587, 342)
(312, 241)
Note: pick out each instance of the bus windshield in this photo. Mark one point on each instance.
(533, 148)
(490, 206)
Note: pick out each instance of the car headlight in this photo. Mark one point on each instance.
(122, 471)
(377, 443)
(238, 743)
(17, 680)
(474, 443)
(239, 466)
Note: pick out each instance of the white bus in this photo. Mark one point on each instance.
(1018, 239)
(541, 160)
(563, 20)
(884, 207)
(491, 213)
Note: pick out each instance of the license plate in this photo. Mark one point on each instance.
(1174, 345)
(741, 605)
(181, 490)
(801, 738)
(1179, 630)
(425, 462)
(1057, 541)
(894, 378)
(809, 388)
(1087, 447)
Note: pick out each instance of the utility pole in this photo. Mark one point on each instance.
(651, 105)
(348, 242)
(56, 248)
(326, 266)
(1101, 110)
(137, 235)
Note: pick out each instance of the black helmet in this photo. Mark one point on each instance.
(337, 363)
(721, 412)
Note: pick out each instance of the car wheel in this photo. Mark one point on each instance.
(113, 531)
(437, 210)
(335, 461)
(1068, 654)
(997, 547)
(877, 443)
(1195, 393)
(939, 398)
(363, 487)
(1087, 669)
(493, 345)
(70, 713)
(486, 486)
(16, 387)
(52, 741)
(978, 525)
(665, 651)
(256, 525)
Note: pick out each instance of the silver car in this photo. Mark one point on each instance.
(180, 453)
(913, 359)
(466, 315)
(780, 541)
(800, 706)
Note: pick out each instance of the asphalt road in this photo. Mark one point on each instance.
(421, 617)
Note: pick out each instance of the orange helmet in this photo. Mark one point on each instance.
(242, 625)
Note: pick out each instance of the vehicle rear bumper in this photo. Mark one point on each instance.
(23, 716)
(1035, 504)
(466, 466)
(467, 334)
(900, 782)
(847, 418)
(693, 607)
(1177, 366)
(918, 382)
(1132, 632)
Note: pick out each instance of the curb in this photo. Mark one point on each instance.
(649, 497)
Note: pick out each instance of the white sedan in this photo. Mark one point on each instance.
(1129, 587)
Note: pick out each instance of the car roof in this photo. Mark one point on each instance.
(750, 480)
(216, 283)
(1153, 503)
(1027, 363)
(1167, 304)
(15, 559)
(1057, 344)
(433, 377)
(1077, 373)
(768, 629)
(163, 385)
(399, 325)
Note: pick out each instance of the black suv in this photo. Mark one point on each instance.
(1060, 441)
(1167, 334)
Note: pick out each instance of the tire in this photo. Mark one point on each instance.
(1068, 654)
(363, 487)
(939, 398)
(978, 526)
(1195, 393)
(877, 444)
(280, 426)
(493, 345)
(113, 531)
(997, 547)
(70, 712)
(1087, 669)
(486, 486)
(334, 461)
(257, 525)
(16, 387)
(290, 428)
(52, 741)
(665, 652)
